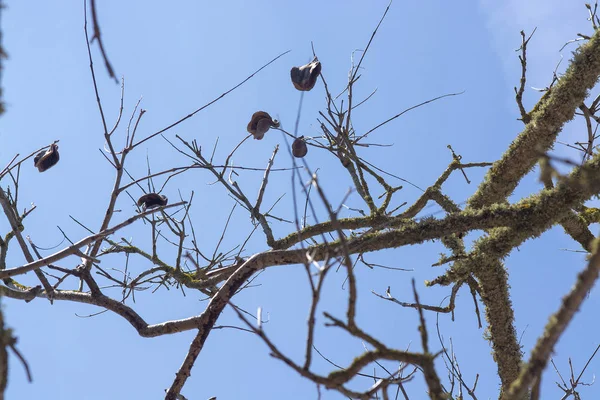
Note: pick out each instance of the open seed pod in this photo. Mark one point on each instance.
(305, 77)
(46, 159)
(260, 123)
(151, 200)
(299, 148)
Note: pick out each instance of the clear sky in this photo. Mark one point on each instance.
(180, 55)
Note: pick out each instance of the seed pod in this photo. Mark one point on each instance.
(151, 200)
(260, 123)
(299, 148)
(305, 77)
(46, 159)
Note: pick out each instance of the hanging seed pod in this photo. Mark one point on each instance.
(151, 200)
(260, 123)
(305, 77)
(299, 148)
(46, 159)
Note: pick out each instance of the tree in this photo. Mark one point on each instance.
(331, 313)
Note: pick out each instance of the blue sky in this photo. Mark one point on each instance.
(180, 56)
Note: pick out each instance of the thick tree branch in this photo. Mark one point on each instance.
(554, 109)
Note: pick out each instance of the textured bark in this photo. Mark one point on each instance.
(554, 109)
(548, 117)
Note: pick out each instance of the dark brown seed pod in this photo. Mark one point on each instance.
(46, 159)
(260, 123)
(299, 148)
(151, 200)
(305, 77)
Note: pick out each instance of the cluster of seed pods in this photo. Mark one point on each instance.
(303, 79)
